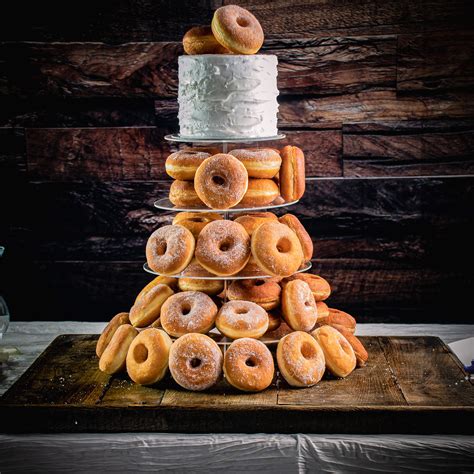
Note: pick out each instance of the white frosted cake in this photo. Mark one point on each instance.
(228, 96)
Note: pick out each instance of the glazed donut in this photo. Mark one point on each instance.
(200, 40)
(221, 181)
(170, 249)
(210, 287)
(297, 227)
(195, 362)
(338, 319)
(298, 306)
(319, 286)
(109, 331)
(248, 365)
(274, 321)
(147, 358)
(359, 349)
(259, 162)
(260, 192)
(113, 358)
(147, 308)
(276, 249)
(183, 194)
(195, 221)
(323, 310)
(187, 312)
(159, 280)
(292, 173)
(237, 319)
(223, 248)
(182, 164)
(237, 29)
(252, 269)
(265, 292)
(253, 220)
(300, 359)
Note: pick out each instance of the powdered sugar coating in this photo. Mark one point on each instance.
(259, 162)
(237, 319)
(298, 306)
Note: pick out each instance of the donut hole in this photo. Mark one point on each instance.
(307, 303)
(225, 245)
(346, 347)
(283, 245)
(241, 311)
(260, 282)
(251, 362)
(161, 248)
(308, 351)
(195, 362)
(243, 22)
(140, 353)
(185, 309)
(218, 180)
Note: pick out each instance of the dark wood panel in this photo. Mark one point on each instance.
(12, 152)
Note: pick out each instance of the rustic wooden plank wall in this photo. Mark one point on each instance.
(378, 94)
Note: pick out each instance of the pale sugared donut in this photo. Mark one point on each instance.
(237, 29)
(274, 320)
(323, 310)
(109, 331)
(319, 286)
(223, 248)
(276, 249)
(265, 292)
(338, 319)
(298, 306)
(195, 362)
(183, 194)
(195, 221)
(200, 40)
(359, 349)
(221, 181)
(339, 355)
(113, 358)
(159, 280)
(259, 162)
(210, 287)
(170, 249)
(248, 365)
(182, 164)
(260, 192)
(292, 173)
(252, 220)
(147, 308)
(186, 312)
(147, 358)
(297, 227)
(300, 359)
(237, 319)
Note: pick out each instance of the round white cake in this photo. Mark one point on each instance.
(228, 96)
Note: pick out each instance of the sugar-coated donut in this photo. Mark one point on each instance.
(237, 29)
(113, 358)
(223, 248)
(300, 359)
(265, 292)
(274, 320)
(338, 319)
(298, 306)
(147, 358)
(323, 310)
(259, 162)
(276, 249)
(187, 312)
(297, 227)
(109, 331)
(237, 319)
(319, 286)
(359, 349)
(292, 173)
(182, 164)
(147, 308)
(210, 287)
(200, 40)
(252, 220)
(260, 192)
(159, 280)
(221, 181)
(339, 355)
(195, 221)
(195, 362)
(183, 194)
(248, 365)
(170, 249)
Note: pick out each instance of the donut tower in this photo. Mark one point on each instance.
(230, 280)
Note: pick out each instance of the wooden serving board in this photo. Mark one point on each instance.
(410, 385)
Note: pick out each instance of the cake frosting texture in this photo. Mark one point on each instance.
(228, 96)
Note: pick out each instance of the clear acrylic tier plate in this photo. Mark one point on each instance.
(177, 137)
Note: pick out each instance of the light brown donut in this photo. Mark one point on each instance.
(159, 280)
(255, 219)
(223, 248)
(170, 249)
(221, 181)
(252, 269)
(338, 319)
(259, 162)
(113, 358)
(183, 194)
(298, 306)
(248, 365)
(359, 349)
(274, 320)
(339, 355)
(237, 319)
(210, 287)
(297, 227)
(182, 164)
(300, 359)
(195, 362)
(109, 331)
(260, 192)
(188, 312)
(276, 249)
(200, 40)
(147, 358)
(292, 173)
(237, 29)
(319, 286)
(147, 308)
(323, 310)
(195, 221)
(265, 292)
